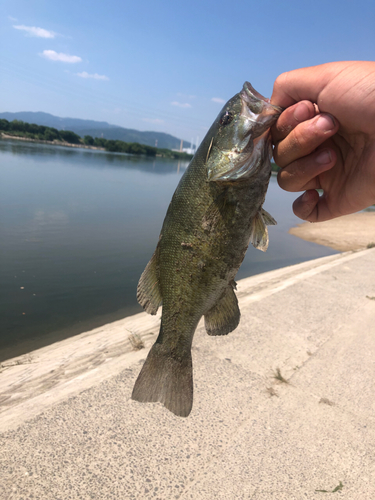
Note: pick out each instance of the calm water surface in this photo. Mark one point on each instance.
(77, 228)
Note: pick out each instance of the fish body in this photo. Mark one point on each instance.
(214, 213)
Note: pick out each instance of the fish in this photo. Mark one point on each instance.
(215, 212)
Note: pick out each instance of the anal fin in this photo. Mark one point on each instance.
(224, 316)
(148, 290)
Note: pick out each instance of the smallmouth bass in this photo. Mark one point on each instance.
(215, 212)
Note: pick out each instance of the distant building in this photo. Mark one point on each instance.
(189, 151)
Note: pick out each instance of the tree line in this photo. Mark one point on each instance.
(19, 128)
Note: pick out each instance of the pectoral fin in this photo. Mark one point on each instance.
(148, 290)
(224, 316)
(259, 232)
(267, 218)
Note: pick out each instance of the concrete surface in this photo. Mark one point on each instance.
(70, 431)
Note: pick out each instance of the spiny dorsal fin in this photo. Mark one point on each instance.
(148, 290)
(259, 233)
(224, 316)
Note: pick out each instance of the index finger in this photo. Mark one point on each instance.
(303, 83)
(290, 118)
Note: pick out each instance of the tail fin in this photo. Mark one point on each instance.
(166, 379)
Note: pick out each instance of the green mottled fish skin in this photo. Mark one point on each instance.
(202, 244)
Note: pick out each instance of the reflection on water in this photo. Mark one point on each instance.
(90, 157)
(78, 227)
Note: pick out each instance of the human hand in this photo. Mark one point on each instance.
(328, 145)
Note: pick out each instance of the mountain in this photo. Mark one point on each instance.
(97, 129)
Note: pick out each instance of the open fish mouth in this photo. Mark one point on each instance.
(257, 112)
(256, 102)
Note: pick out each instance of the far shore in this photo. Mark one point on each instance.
(53, 143)
(350, 232)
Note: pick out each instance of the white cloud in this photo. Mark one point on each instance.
(14, 19)
(181, 105)
(55, 56)
(217, 99)
(153, 120)
(33, 31)
(95, 76)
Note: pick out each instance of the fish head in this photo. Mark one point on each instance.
(238, 141)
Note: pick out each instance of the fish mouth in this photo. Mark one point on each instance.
(257, 111)
(255, 100)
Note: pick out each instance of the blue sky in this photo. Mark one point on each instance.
(166, 66)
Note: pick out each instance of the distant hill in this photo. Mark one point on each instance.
(97, 129)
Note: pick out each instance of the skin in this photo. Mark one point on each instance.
(325, 138)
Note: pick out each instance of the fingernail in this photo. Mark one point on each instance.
(324, 157)
(325, 123)
(302, 112)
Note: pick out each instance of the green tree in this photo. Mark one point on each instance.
(4, 124)
(136, 149)
(16, 125)
(69, 136)
(50, 135)
(88, 140)
(100, 142)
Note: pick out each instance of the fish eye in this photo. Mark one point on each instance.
(226, 118)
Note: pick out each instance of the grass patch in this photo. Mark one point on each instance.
(271, 391)
(371, 245)
(339, 487)
(136, 342)
(277, 376)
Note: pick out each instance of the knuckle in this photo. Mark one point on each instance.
(280, 81)
(298, 139)
(286, 180)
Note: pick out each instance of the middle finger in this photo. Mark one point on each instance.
(304, 139)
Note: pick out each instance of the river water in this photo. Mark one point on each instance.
(77, 228)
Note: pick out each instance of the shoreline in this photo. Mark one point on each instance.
(94, 148)
(347, 233)
(51, 143)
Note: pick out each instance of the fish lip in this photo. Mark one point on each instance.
(251, 92)
(250, 95)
